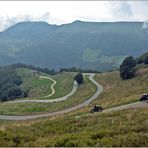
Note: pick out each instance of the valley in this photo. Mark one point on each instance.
(74, 74)
(24, 106)
(122, 117)
(114, 93)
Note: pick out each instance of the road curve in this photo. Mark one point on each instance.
(52, 93)
(85, 103)
(74, 89)
(52, 86)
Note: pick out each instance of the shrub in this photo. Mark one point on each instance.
(79, 78)
(127, 68)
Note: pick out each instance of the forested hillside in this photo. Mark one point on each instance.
(88, 45)
(11, 80)
(9, 84)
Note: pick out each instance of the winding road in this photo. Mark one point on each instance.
(52, 86)
(85, 103)
(74, 89)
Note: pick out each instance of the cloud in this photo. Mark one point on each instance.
(140, 10)
(7, 21)
(120, 10)
(65, 12)
(45, 17)
(123, 10)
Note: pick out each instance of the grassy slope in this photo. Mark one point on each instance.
(123, 128)
(117, 92)
(37, 87)
(41, 87)
(32, 108)
(64, 84)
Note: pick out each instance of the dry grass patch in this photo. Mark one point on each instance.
(122, 128)
(117, 91)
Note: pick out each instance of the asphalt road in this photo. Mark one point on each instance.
(85, 103)
(131, 105)
(74, 89)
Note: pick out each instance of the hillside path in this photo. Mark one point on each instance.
(74, 89)
(85, 103)
(52, 86)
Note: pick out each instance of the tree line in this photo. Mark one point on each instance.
(10, 84)
(52, 71)
(127, 68)
(74, 69)
(10, 81)
(44, 70)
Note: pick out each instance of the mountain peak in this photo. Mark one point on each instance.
(30, 25)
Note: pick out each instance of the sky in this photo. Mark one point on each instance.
(62, 12)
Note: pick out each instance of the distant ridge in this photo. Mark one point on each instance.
(89, 45)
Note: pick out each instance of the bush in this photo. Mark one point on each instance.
(79, 78)
(25, 94)
(127, 68)
(14, 92)
(45, 70)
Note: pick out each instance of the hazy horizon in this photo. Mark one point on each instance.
(64, 12)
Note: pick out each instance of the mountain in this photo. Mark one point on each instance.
(88, 45)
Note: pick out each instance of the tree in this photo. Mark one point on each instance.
(79, 78)
(25, 94)
(127, 68)
(14, 92)
(145, 60)
(17, 80)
